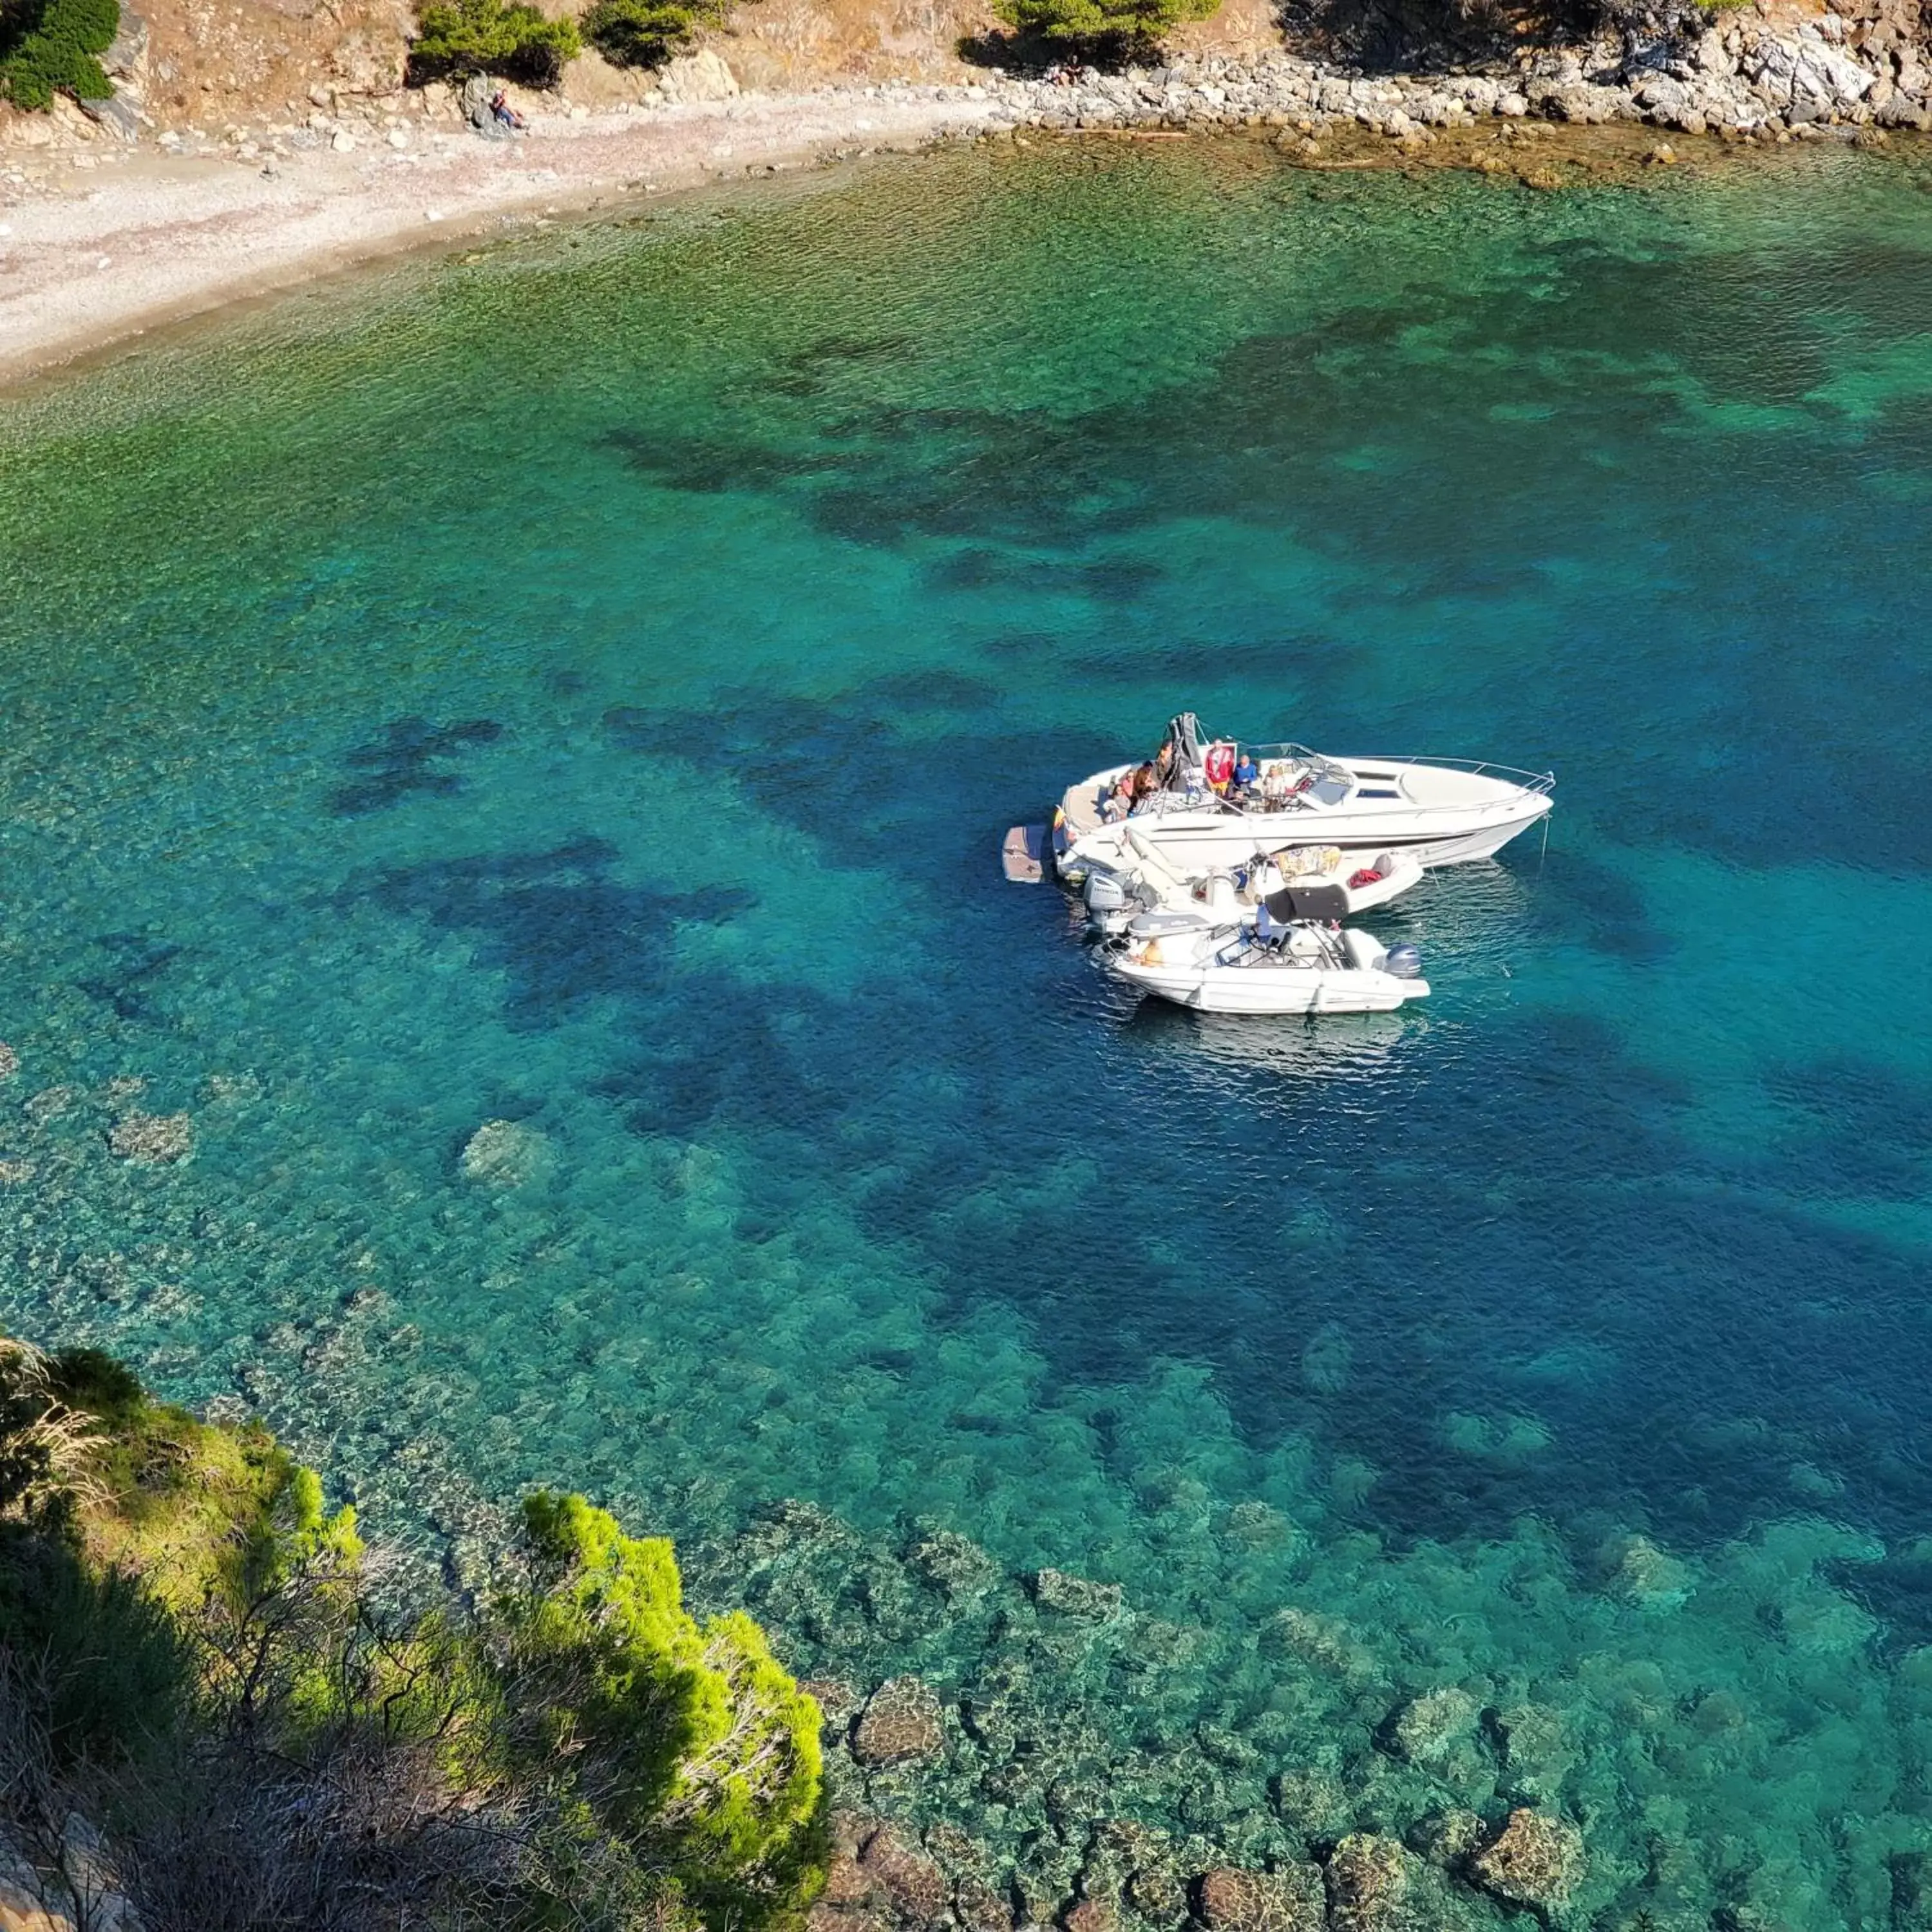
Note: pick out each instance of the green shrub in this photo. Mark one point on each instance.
(54, 47)
(646, 33)
(709, 1745)
(99, 1661)
(1109, 27)
(91, 1379)
(460, 37)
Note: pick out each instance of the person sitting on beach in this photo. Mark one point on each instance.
(500, 106)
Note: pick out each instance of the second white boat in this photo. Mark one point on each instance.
(1299, 968)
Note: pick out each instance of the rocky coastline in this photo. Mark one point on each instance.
(1860, 68)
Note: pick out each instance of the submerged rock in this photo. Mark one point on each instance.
(954, 1565)
(1367, 1879)
(901, 1722)
(1090, 1914)
(849, 1886)
(1156, 1893)
(1428, 1730)
(1289, 1901)
(910, 1879)
(1447, 1838)
(1076, 1596)
(1258, 1525)
(836, 1699)
(152, 1140)
(1535, 1860)
(505, 1154)
(51, 1103)
(979, 1906)
(10, 1061)
(1637, 1572)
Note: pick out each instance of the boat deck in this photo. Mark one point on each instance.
(1080, 809)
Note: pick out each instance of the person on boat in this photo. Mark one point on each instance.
(1119, 801)
(1247, 773)
(1219, 766)
(1146, 782)
(1163, 766)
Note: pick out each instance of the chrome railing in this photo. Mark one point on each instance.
(1537, 781)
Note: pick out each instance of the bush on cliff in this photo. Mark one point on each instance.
(55, 46)
(191, 1655)
(460, 37)
(704, 1744)
(646, 33)
(1110, 30)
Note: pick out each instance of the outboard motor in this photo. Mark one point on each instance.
(1402, 962)
(1105, 892)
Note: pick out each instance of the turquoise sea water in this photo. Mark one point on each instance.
(583, 684)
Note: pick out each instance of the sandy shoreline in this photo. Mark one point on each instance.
(135, 238)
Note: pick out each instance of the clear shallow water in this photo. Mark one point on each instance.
(584, 685)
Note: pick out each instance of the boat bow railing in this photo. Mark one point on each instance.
(1544, 782)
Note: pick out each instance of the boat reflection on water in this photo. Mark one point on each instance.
(1351, 1049)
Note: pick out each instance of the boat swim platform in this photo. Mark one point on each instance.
(1022, 854)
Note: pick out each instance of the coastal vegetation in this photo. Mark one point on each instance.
(207, 1709)
(1108, 30)
(460, 37)
(55, 46)
(646, 33)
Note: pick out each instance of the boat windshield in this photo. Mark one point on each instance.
(1291, 775)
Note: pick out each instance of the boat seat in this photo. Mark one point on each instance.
(1326, 901)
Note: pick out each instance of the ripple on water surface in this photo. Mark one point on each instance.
(578, 688)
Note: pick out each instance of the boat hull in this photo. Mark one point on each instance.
(1258, 990)
(1472, 815)
(1199, 842)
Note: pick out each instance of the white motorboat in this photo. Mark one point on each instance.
(1127, 875)
(1301, 967)
(1434, 812)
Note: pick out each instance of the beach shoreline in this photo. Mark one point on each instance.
(104, 241)
(139, 238)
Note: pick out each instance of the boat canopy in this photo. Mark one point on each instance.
(1186, 751)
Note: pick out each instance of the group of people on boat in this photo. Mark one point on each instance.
(1224, 769)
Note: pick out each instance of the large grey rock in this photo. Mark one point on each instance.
(127, 55)
(476, 102)
(117, 114)
(700, 77)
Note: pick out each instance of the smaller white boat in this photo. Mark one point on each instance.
(1268, 967)
(1128, 874)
